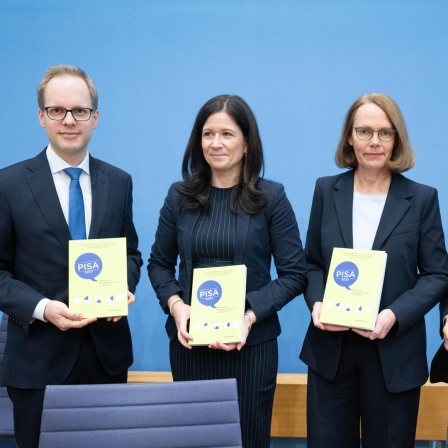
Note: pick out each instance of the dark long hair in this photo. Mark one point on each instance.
(196, 172)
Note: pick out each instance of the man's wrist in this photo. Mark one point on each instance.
(39, 311)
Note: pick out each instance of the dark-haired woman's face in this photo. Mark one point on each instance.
(224, 147)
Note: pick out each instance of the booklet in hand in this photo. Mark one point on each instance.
(97, 281)
(218, 300)
(353, 290)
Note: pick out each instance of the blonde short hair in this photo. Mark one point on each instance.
(403, 156)
(61, 70)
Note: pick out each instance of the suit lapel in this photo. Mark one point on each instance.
(100, 193)
(395, 207)
(191, 218)
(40, 181)
(343, 200)
(242, 230)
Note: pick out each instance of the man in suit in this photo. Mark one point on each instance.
(47, 342)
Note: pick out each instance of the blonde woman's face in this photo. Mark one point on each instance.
(372, 154)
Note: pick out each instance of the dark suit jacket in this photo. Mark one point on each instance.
(416, 278)
(34, 264)
(271, 232)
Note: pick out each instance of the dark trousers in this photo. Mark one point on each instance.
(28, 403)
(255, 370)
(357, 394)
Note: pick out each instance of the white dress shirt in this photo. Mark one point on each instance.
(62, 184)
(367, 211)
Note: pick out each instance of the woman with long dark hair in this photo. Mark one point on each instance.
(224, 213)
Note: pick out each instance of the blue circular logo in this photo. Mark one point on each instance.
(209, 293)
(345, 274)
(88, 266)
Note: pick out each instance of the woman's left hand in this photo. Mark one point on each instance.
(229, 347)
(384, 322)
(226, 347)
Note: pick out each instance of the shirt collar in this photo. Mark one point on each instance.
(57, 164)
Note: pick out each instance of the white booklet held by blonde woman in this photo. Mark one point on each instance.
(218, 300)
(354, 286)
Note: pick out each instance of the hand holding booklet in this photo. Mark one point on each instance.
(354, 286)
(218, 300)
(97, 281)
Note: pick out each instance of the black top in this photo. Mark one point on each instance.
(213, 239)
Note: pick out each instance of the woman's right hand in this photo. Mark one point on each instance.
(181, 313)
(315, 315)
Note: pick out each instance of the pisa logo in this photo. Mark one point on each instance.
(345, 274)
(209, 293)
(88, 266)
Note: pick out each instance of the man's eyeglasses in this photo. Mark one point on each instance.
(58, 113)
(384, 134)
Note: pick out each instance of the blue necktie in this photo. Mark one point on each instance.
(76, 217)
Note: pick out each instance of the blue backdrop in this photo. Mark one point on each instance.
(298, 63)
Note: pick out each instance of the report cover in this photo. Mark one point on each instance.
(98, 284)
(353, 290)
(218, 298)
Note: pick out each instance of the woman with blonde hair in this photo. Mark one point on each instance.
(359, 378)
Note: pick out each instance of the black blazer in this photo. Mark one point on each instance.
(410, 231)
(273, 232)
(34, 264)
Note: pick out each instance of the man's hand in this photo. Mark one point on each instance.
(62, 317)
(131, 300)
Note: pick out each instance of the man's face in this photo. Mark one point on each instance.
(69, 138)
